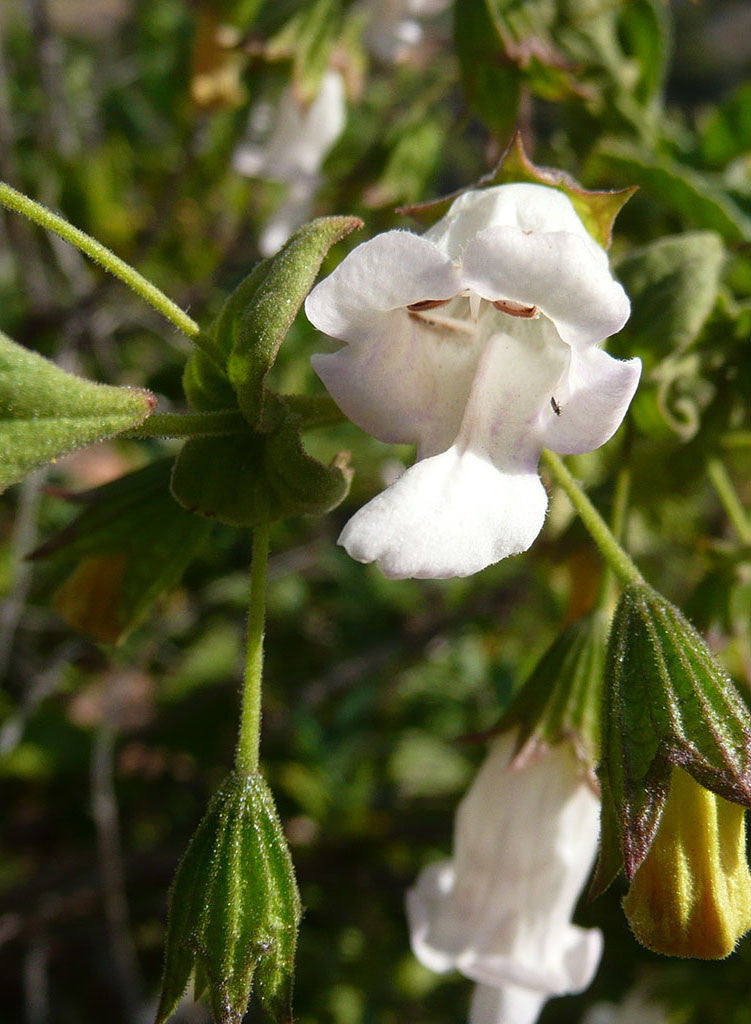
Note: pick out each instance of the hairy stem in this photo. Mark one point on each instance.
(619, 562)
(246, 755)
(45, 218)
(196, 424)
(608, 594)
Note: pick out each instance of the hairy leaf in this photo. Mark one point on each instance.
(252, 478)
(694, 196)
(673, 285)
(254, 320)
(46, 412)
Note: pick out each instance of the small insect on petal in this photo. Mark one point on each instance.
(516, 309)
(555, 406)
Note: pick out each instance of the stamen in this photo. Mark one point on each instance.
(442, 323)
(418, 307)
(516, 309)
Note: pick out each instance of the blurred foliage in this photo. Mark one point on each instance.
(125, 115)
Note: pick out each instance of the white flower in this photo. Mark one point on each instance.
(298, 139)
(500, 910)
(478, 341)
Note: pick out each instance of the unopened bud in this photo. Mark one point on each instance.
(691, 896)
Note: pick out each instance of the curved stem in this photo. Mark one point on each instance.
(616, 558)
(726, 492)
(246, 754)
(45, 218)
(608, 587)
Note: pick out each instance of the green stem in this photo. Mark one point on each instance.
(726, 492)
(609, 585)
(617, 559)
(315, 410)
(45, 218)
(195, 424)
(246, 755)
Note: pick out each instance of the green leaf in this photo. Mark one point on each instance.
(597, 210)
(643, 31)
(673, 285)
(530, 32)
(308, 38)
(492, 83)
(667, 704)
(46, 412)
(206, 386)
(234, 909)
(254, 320)
(253, 478)
(410, 163)
(692, 195)
(131, 543)
(272, 304)
(727, 133)
(562, 699)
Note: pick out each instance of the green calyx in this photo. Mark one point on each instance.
(667, 704)
(234, 909)
(259, 472)
(561, 700)
(258, 476)
(245, 338)
(597, 210)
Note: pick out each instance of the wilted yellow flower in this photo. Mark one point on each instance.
(692, 894)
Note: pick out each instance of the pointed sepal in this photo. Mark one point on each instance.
(667, 704)
(561, 700)
(597, 210)
(234, 909)
(260, 476)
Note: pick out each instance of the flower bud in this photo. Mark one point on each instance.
(691, 896)
(234, 909)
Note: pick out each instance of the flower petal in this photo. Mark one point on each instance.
(409, 383)
(449, 515)
(592, 399)
(499, 912)
(510, 1004)
(559, 272)
(532, 208)
(424, 900)
(566, 968)
(521, 363)
(391, 271)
